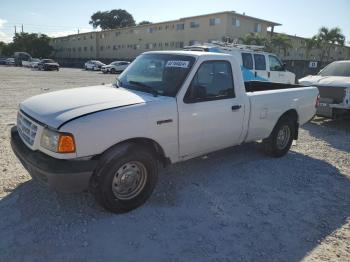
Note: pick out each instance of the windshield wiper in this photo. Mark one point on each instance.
(144, 86)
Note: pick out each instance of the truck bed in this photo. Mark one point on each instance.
(254, 86)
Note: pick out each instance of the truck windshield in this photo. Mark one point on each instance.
(336, 69)
(159, 74)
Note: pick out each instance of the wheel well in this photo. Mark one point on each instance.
(292, 114)
(149, 144)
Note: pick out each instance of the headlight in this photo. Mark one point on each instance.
(57, 142)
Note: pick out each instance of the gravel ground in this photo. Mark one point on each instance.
(234, 205)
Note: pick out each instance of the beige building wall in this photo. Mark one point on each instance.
(299, 51)
(127, 43)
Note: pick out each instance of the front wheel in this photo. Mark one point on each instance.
(281, 138)
(125, 178)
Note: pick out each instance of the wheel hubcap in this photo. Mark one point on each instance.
(129, 180)
(283, 137)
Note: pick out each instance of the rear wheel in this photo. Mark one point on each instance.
(281, 138)
(125, 178)
(113, 71)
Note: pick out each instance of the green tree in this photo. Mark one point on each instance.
(327, 38)
(2, 46)
(145, 23)
(112, 19)
(280, 42)
(311, 44)
(255, 39)
(38, 45)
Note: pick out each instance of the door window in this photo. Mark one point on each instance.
(212, 81)
(247, 60)
(260, 63)
(275, 64)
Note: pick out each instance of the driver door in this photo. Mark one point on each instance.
(276, 70)
(211, 116)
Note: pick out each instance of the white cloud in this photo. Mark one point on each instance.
(3, 36)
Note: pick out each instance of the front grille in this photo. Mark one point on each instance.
(26, 129)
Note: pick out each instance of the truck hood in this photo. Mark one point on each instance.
(334, 81)
(55, 108)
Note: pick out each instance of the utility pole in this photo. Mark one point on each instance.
(15, 30)
(22, 28)
(78, 31)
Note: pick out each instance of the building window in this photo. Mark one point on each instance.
(166, 44)
(91, 48)
(91, 36)
(160, 28)
(117, 33)
(214, 21)
(166, 27)
(79, 49)
(171, 43)
(148, 46)
(85, 48)
(236, 22)
(257, 28)
(160, 44)
(180, 26)
(114, 47)
(73, 49)
(194, 24)
(101, 48)
(151, 30)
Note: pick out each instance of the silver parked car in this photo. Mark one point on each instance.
(93, 65)
(115, 67)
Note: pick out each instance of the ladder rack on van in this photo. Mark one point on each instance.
(224, 46)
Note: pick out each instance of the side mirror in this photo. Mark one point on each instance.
(284, 66)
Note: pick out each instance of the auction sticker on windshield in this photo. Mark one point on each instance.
(177, 63)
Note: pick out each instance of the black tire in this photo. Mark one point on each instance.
(107, 170)
(113, 71)
(273, 145)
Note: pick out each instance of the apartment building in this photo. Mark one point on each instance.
(127, 43)
(300, 51)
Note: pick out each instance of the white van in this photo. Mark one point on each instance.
(255, 64)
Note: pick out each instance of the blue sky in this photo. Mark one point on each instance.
(57, 18)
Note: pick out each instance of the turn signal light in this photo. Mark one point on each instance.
(66, 143)
(317, 104)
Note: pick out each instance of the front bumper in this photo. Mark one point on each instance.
(62, 175)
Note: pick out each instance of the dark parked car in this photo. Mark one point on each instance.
(48, 65)
(3, 61)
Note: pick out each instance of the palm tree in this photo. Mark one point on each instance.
(281, 42)
(327, 38)
(311, 43)
(255, 39)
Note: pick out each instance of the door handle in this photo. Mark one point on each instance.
(236, 107)
(255, 74)
(268, 74)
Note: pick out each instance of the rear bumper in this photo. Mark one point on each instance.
(62, 175)
(329, 109)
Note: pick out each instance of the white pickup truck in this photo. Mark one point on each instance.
(166, 107)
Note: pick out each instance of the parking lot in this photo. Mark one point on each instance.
(233, 205)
